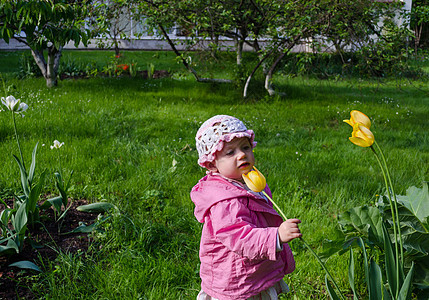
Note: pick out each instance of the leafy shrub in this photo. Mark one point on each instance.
(71, 68)
(28, 67)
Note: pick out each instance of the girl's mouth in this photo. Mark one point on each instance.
(243, 165)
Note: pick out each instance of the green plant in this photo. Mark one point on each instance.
(150, 70)
(371, 224)
(70, 68)
(392, 283)
(25, 211)
(133, 69)
(61, 184)
(28, 67)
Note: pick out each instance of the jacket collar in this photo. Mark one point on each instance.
(212, 189)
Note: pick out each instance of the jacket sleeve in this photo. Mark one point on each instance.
(232, 226)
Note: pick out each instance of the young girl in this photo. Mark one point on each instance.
(243, 251)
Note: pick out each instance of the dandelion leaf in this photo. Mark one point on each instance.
(365, 220)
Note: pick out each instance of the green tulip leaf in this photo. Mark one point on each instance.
(56, 202)
(331, 291)
(24, 178)
(84, 228)
(393, 277)
(5, 216)
(405, 291)
(98, 207)
(376, 286)
(60, 186)
(417, 202)
(25, 264)
(19, 220)
(366, 266)
(10, 248)
(35, 193)
(352, 273)
(33, 165)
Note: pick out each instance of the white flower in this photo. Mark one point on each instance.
(14, 105)
(57, 145)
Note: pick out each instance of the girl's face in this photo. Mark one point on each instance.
(236, 158)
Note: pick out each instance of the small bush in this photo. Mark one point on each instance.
(28, 67)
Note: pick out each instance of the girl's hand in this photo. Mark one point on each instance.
(289, 230)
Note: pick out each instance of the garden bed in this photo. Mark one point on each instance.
(52, 238)
(157, 74)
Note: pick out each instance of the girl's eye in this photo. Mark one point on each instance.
(231, 152)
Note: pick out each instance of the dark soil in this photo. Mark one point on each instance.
(51, 238)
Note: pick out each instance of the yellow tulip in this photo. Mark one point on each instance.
(362, 136)
(255, 180)
(357, 117)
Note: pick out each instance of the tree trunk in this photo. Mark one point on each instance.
(269, 75)
(54, 56)
(50, 69)
(261, 61)
(239, 49)
(40, 60)
(116, 46)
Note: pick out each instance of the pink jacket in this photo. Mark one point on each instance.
(238, 242)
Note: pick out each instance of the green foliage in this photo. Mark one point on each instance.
(124, 134)
(28, 67)
(370, 223)
(372, 61)
(25, 213)
(72, 68)
(45, 26)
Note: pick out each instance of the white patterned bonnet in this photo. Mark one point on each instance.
(215, 132)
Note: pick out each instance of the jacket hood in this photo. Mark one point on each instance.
(212, 189)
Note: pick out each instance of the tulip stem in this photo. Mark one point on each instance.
(395, 202)
(17, 140)
(393, 219)
(308, 247)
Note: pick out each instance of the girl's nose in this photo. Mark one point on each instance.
(241, 154)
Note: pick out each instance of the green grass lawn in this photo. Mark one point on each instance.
(130, 141)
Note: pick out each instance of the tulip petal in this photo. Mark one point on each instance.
(348, 122)
(361, 118)
(255, 180)
(366, 131)
(22, 107)
(359, 142)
